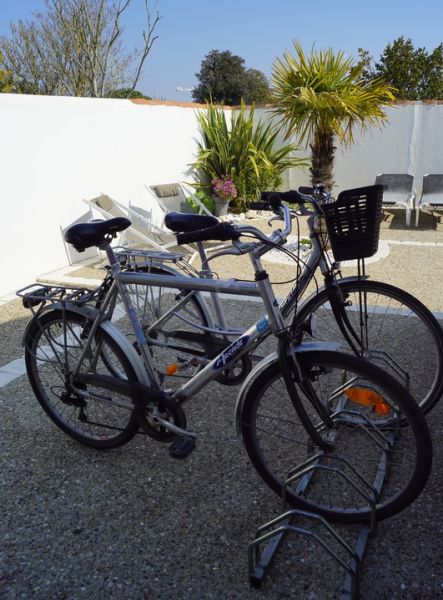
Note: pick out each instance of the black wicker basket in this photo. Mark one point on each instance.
(353, 222)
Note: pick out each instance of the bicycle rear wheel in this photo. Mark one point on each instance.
(398, 333)
(370, 444)
(93, 416)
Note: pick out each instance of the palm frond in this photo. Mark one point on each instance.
(323, 89)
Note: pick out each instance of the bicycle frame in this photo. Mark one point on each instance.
(206, 283)
(245, 341)
(316, 259)
(273, 322)
(242, 345)
(149, 390)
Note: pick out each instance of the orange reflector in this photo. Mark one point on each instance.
(382, 409)
(171, 369)
(367, 397)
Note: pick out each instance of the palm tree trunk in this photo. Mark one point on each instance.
(322, 159)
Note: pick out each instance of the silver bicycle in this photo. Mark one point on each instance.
(349, 437)
(375, 320)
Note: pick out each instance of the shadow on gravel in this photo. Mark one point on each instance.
(134, 523)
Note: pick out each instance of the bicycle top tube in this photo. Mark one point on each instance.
(183, 282)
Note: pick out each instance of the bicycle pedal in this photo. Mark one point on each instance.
(182, 447)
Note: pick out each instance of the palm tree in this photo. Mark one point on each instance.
(322, 96)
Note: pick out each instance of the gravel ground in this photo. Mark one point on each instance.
(13, 318)
(135, 523)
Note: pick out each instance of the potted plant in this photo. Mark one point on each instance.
(243, 149)
(224, 191)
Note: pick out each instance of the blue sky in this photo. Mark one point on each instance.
(259, 32)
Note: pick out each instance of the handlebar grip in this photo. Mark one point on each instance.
(270, 201)
(275, 199)
(305, 189)
(221, 232)
(260, 206)
(292, 196)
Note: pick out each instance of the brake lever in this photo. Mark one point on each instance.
(305, 212)
(237, 249)
(276, 218)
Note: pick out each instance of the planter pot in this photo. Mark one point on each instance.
(221, 206)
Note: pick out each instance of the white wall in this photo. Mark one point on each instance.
(57, 150)
(410, 142)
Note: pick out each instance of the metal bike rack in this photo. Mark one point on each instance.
(270, 536)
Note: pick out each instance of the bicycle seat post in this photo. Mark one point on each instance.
(112, 259)
(204, 259)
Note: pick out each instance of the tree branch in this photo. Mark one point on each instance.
(75, 48)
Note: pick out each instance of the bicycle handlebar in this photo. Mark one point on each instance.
(290, 196)
(221, 232)
(304, 195)
(226, 231)
(272, 201)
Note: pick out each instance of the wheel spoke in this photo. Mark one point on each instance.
(364, 446)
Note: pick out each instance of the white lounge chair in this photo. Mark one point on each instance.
(142, 231)
(431, 194)
(398, 190)
(177, 197)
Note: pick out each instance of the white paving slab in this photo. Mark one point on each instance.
(11, 371)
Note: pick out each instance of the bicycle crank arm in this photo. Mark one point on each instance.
(142, 396)
(173, 428)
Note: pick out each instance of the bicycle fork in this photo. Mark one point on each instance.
(337, 303)
(288, 361)
(292, 373)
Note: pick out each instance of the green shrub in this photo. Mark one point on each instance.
(205, 199)
(246, 151)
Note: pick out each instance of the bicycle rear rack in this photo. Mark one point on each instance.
(133, 258)
(273, 532)
(36, 293)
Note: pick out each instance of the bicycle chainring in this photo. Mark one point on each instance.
(235, 373)
(173, 413)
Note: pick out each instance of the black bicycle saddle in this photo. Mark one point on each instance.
(95, 233)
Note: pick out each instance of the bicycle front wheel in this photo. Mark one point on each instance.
(380, 451)
(91, 415)
(397, 332)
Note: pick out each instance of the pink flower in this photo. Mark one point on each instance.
(224, 187)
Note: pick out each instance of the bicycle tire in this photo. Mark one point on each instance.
(277, 443)
(151, 302)
(91, 422)
(400, 326)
